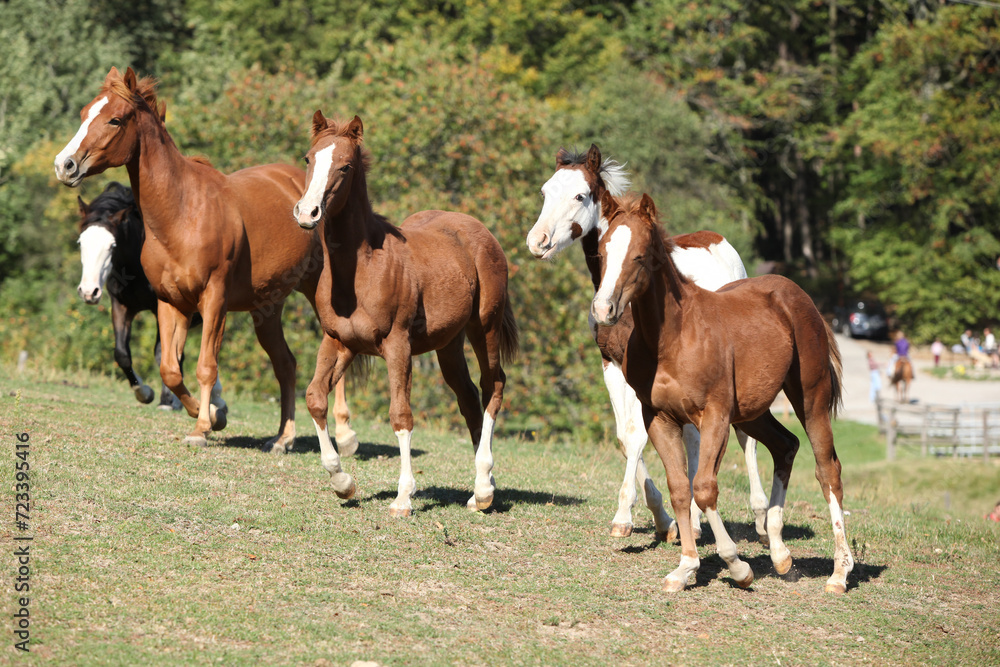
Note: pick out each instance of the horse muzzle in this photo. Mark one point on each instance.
(605, 311)
(307, 217)
(90, 295)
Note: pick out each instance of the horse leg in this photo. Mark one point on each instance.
(783, 446)
(400, 365)
(632, 437)
(705, 488)
(167, 399)
(347, 438)
(492, 380)
(332, 361)
(758, 500)
(121, 322)
(692, 445)
(817, 425)
(267, 326)
(173, 325)
(455, 371)
(666, 438)
(213, 325)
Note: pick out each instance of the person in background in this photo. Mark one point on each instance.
(876, 378)
(900, 348)
(937, 349)
(995, 514)
(990, 347)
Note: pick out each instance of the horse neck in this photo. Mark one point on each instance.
(129, 235)
(156, 171)
(590, 254)
(591, 240)
(353, 231)
(659, 311)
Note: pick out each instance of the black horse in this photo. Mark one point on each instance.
(111, 237)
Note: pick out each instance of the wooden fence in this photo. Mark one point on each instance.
(940, 430)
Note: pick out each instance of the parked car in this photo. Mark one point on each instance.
(862, 319)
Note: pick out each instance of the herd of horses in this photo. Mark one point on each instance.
(689, 344)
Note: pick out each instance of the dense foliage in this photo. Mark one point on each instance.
(851, 145)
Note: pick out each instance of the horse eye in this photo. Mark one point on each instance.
(114, 245)
(580, 197)
(306, 159)
(115, 121)
(346, 168)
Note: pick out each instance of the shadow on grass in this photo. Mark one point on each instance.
(433, 497)
(310, 445)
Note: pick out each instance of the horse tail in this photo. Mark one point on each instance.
(836, 373)
(509, 335)
(360, 370)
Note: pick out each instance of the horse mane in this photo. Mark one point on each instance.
(145, 92)
(616, 178)
(115, 198)
(200, 159)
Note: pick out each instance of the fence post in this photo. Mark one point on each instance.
(986, 435)
(890, 435)
(955, 437)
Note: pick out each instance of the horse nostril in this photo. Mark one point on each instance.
(96, 294)
(69, 165)
(314, 214)
(544, 242)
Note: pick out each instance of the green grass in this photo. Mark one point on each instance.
(148, 551)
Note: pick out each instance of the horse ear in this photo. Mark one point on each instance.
(130, 79)
(594, 159)
(113, 75)
(319, 122)
(84, 209)
(647, 207)
(356, 130)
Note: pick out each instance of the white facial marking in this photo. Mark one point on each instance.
(617, 249)
(322, 162)
(74, 145)
(95, 254)
(553, 231)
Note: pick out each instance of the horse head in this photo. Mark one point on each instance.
(108, 135)
(626, 251)
(99, 224)
(571, 205)
(334, 161)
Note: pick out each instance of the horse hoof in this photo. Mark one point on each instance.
(783, 566)
(696, 531)
(482, 502)
(165, 407)
(743, 574)
(621, 529)
(218, 416)
(197, 440)
(672, 585)
(672, 532)
(144, 394)
(343, 486)
(764, 540)
(836, 589)
(348, 445)
(401, 512)
(276, 446)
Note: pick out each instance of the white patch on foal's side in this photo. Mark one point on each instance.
(96, 243)
(710, 268)
(74, 144)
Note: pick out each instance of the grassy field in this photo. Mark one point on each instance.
(148, 551)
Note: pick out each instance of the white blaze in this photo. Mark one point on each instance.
(617, 249)
(560, 210)
(322, 162)
(74, 145)
(96, 244)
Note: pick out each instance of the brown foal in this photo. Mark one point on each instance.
(395, 292)
(718, 358)
(214, 243)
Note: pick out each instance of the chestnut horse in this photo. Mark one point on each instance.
(718, 358)
(572, 211)
(902, 375)
(395, 292)
(214, 243)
